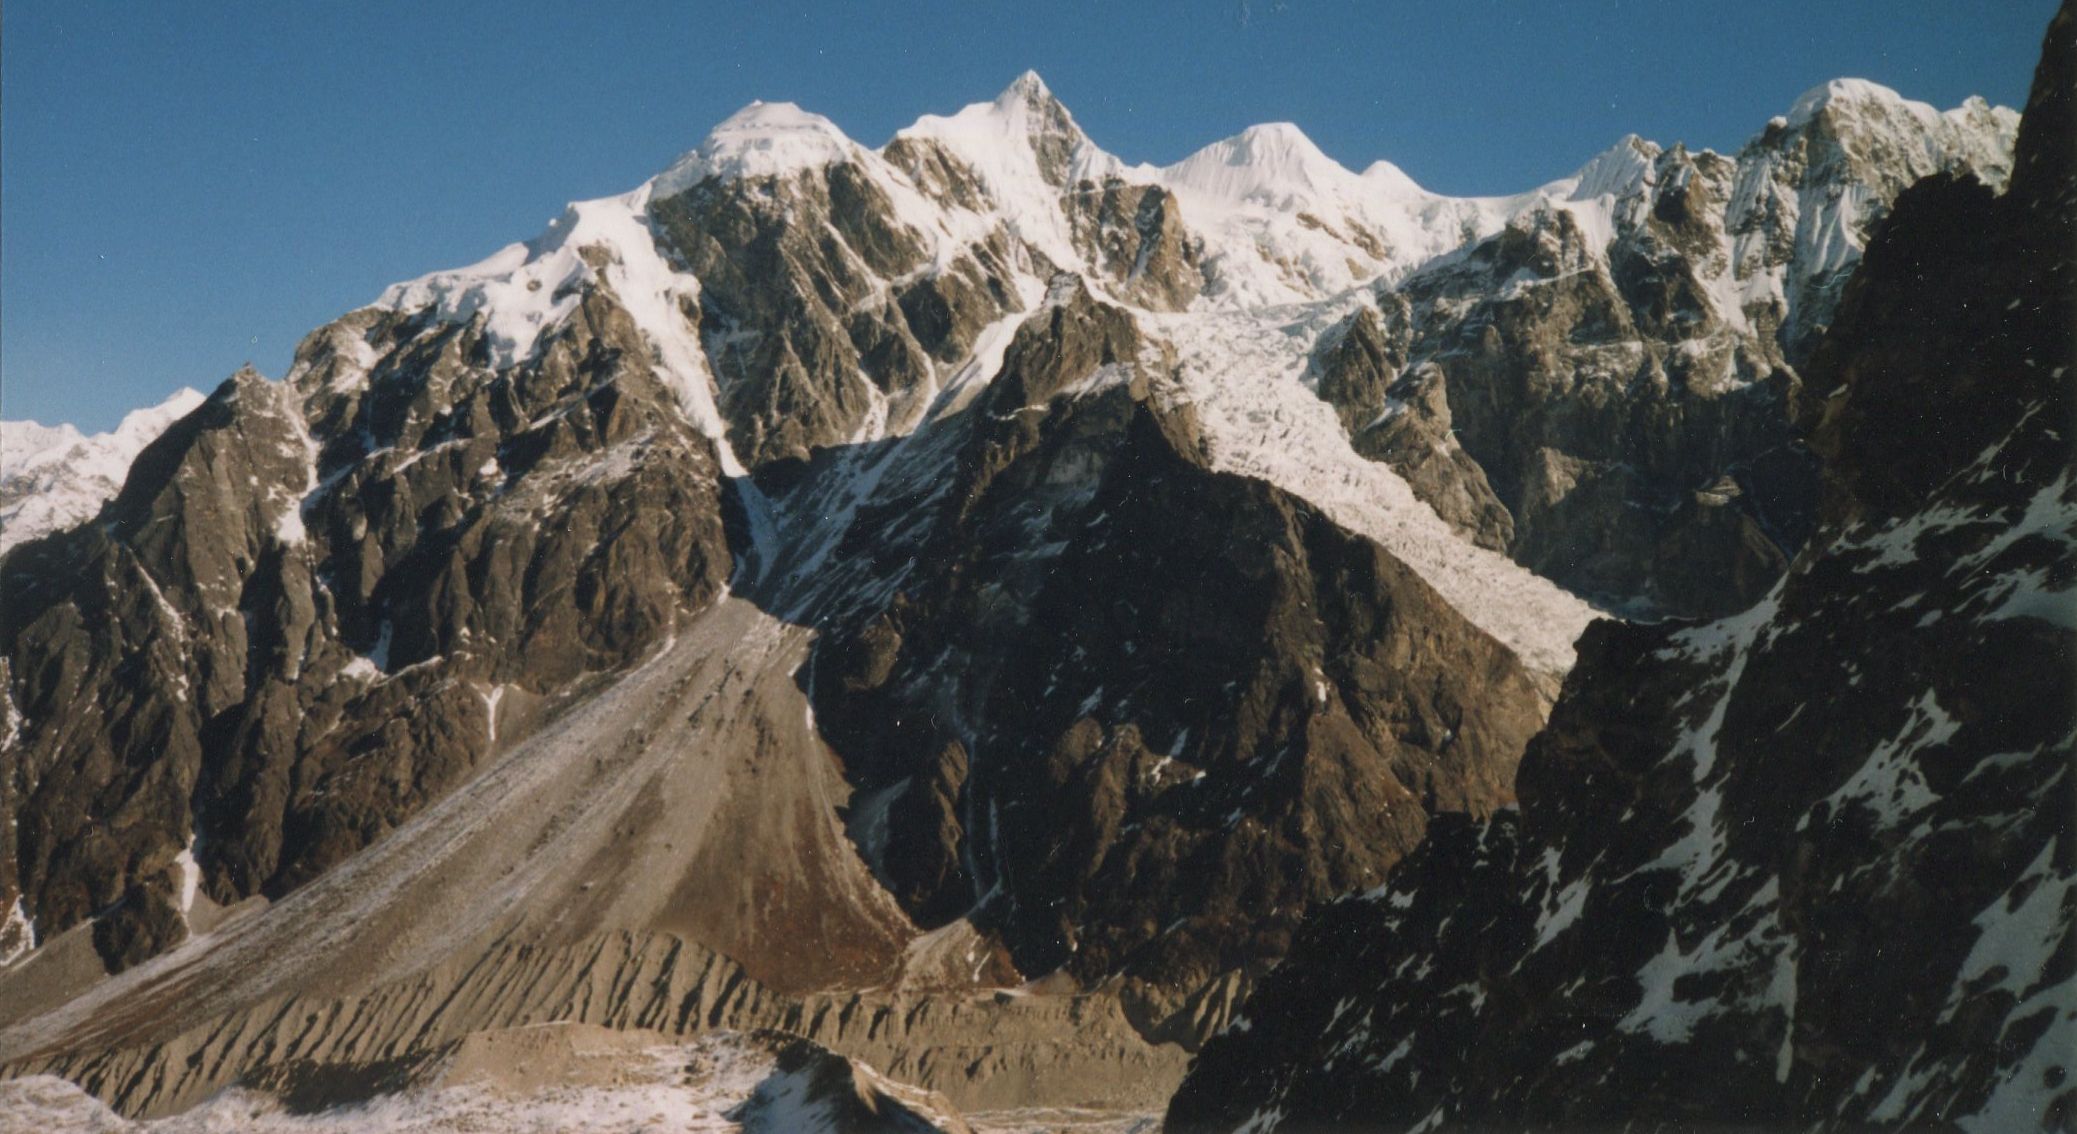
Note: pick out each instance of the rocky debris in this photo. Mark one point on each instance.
(561, 1076)
(812, 1088)
(698, 764)
(1126, 768)
(298, 621)
(509, 901)
(1719, 902)
(488, 1019)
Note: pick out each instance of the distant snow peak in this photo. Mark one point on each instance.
(1031, 104)
(1027, 87)
(764, 139)
(1842, 93)
(1270, 164)
(54, 477)
(1042, 136)
(1621, 170)
(1268, 217)
(1025, 148)
(1393, 181)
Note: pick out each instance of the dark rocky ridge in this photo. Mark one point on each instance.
(1721, 902)
(1133, 715)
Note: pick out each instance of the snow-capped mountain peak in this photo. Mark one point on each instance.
(1272, 164)
(1621, 170)
(1884, 134)
(1846, 95)
(1027, 87)
(1024, 131)
(1394, 181)
(1025, 149)
(764, 139)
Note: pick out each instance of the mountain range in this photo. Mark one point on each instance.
(1018, 623)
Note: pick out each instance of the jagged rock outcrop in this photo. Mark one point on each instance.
(1127, 766)
(1596, 431)
(1809, 865)
(1134, 235)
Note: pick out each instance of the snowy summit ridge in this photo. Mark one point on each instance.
(764, 139)
(1280, 219)
(54, 477)
(1273, 164)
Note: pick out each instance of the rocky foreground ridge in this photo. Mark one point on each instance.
(1807, 866)
(975, 582)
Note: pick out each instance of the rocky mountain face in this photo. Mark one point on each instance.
(969, 582)
(1123, 765)
(815, 308)
(1810, 864)
(1603, 387)
(298, 621)
(370, 686)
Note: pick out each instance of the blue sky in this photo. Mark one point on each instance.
(187, 187)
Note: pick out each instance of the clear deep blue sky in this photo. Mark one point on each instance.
(184, 187)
